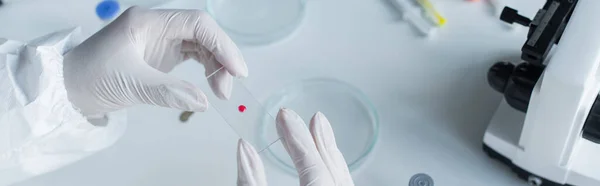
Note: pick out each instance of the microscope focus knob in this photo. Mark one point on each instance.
(591, 127)
(499, 74)
(511, 16)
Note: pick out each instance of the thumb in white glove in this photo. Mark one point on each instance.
(315, 154)
(126, 62)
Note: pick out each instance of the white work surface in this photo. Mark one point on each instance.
(432, 95)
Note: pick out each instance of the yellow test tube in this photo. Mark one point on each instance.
(436, 17)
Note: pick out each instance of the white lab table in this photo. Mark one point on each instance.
(431, 94)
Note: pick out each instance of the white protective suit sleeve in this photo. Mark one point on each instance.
(40, 130)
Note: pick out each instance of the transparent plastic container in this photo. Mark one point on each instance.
(352, 116)
(257, 22)
(143, 3)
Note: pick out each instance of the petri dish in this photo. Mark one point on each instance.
(144, 3)
(352, 116)
(257, 22)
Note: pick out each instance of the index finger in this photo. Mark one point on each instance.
(299, 144)
(199, 27)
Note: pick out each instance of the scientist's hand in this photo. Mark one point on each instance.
(126, 62)
(315, 154)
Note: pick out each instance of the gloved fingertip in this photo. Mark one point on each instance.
(321, 130)
(243, 162)
(199, 105)
(221, 84)
(224, 90)
(240, 144)
(235, 64)
(249, 158)
(319, 119)
(242, 152)
(250, 167)
(188, 98)
(222, 95)
(316, 126)
(285, 113)
(289, 123)
(241, 70)
(285, 116)
(244, 146)
(319, 116)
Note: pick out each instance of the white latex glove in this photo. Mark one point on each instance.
(315, 154)
(126, 62)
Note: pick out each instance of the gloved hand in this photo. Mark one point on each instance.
(126, 62)
(315, 154)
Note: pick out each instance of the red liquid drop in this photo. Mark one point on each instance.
(242, 108)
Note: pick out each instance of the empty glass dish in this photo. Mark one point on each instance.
(353, 118)
(257, 21)
(143, 3)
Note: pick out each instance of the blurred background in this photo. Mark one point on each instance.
(431, 95)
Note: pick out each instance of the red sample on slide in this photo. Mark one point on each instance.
(242, 108)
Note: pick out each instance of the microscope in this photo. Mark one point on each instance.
(547, 126)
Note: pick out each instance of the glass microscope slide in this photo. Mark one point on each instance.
(243, 113)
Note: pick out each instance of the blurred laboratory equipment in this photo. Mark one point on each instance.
(547, 127)
(414, 16)
(257, 22)
(107, 10)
